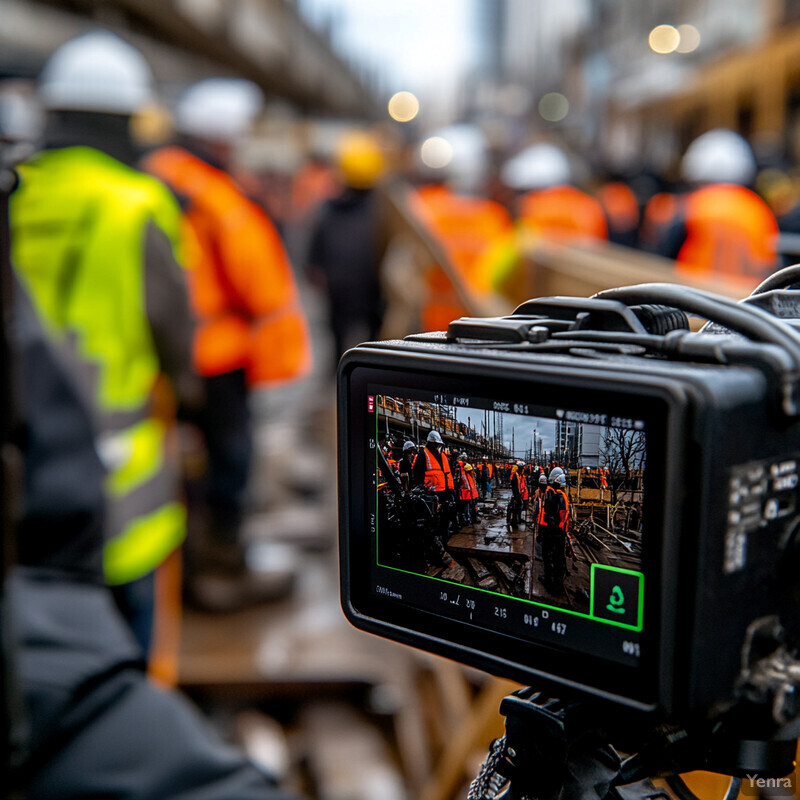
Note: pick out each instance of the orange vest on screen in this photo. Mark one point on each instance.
(729, 231)
(472, 487)
(437, 477)
(467, 228)
(242, 287)
(465, 488)
(563, 213)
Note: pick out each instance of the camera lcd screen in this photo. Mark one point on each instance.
(526, 519)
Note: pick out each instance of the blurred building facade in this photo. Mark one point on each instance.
(632, 100)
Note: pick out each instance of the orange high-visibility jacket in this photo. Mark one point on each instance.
(437, 477)
(620, 206)
(467, 228)
(729, 231)
(563, 213)
(243, 290)
(464, 490)
(472, 487)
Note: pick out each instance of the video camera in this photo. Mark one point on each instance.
(681, 455)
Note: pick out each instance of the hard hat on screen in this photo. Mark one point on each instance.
(434, 436)
(218, 109)
(539, 166)
(719, 156)
(360, 160)
(97, 71)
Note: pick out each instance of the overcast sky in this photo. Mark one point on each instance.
(417, 45)
(522, 427)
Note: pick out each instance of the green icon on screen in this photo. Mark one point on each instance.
(616, 602)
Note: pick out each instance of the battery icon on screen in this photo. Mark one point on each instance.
(371, 404)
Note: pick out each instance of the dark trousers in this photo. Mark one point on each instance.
(226, 428)
(553, 554)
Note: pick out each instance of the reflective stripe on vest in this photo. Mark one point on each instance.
(79, 220)
(437, 477)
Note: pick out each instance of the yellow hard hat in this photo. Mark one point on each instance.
(360, 160)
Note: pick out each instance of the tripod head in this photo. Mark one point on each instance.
(559, 750)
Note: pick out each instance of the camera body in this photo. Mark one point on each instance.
(656, 607)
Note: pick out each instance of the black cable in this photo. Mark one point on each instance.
(749, 321)
(782, 279)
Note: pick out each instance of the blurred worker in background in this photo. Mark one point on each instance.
(95, 244)
(549, 208)
(549, 205)
(621, 208)
(406, 465)
(723, 229)
(251, 330)
(348, 242)
(453, 206)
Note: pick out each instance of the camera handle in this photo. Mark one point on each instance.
(554, 750)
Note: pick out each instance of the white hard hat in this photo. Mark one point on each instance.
(520, 463)
(409, 445)
(539, 166)
(562, 480)
(555, 474)
(219, 109)
(461, 156)
(434, 436)
(96, 72)
(719, 156)
(543, 478)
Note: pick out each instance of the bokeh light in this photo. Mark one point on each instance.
(689, 39)
(436, 152)
(664, 39)
(553, 107)
(403, 107)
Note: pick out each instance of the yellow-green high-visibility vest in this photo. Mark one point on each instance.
(78, 221)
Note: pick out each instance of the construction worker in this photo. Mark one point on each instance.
(406, 465)
(468, 226)
(433, 471)
(464, 490)
(95, 244)
(349, 239)
(470, 472)
(514, 512)
(723, 228)
(489, 477)
(621, 207)
(549, 205)
(523, 487)
(251, 329)
(552, 535)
